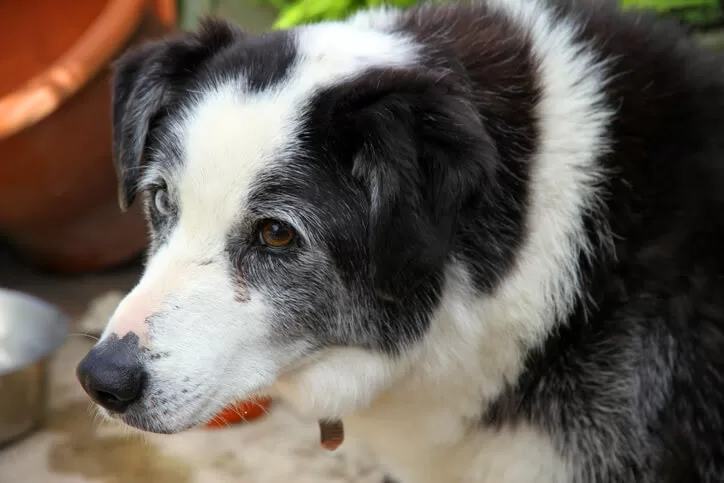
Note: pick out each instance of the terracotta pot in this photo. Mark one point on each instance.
(58, 195)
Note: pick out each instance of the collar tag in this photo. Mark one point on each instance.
(331, 434)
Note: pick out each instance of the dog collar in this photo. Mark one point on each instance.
(331, 434)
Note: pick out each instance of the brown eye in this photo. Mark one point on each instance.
(276, 234)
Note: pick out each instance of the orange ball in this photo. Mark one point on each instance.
(240, 412)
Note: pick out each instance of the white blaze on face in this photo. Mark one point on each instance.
(230, 136)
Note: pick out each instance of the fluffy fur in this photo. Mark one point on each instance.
(509, 260)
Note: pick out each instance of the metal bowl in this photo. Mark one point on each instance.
(31, 330)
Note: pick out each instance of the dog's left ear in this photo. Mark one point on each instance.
(423, 151)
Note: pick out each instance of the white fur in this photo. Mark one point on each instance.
(130, 315)
(382, 19)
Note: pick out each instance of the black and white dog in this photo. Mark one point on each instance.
(488, 238)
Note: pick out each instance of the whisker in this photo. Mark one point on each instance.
(81, 334)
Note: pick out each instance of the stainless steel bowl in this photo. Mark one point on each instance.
(30, 332)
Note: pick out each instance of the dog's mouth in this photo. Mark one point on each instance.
(169, 418)
(158, 425)
(154, 426)
(331, 432)
(146, 423)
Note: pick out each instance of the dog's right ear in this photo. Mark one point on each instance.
(137, 95)
(146, 79)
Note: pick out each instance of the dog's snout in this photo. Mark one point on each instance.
(112, 373)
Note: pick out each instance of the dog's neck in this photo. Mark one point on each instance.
(423, 410)
(430, 417)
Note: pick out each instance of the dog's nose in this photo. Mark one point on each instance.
(112, 373)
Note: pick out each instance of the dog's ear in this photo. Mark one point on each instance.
(137, 95)
(423, 151)
(146, 79)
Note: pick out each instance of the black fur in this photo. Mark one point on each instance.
(405, 151)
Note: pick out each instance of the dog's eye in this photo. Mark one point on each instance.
(276, 234)
(162, 201)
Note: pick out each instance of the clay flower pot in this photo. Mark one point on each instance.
(58, 195)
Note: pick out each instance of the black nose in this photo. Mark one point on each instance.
(112, 373)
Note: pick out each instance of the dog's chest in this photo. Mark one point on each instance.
(419, 446)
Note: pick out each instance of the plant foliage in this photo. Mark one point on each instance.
(298, 12)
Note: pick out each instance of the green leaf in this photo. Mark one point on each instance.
(307, 11)
(298, 12)
(667, 5)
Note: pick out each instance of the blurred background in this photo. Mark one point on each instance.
(68, 255)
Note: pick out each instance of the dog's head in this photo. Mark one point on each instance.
(302, 190)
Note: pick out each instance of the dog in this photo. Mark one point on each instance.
(487, 238)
